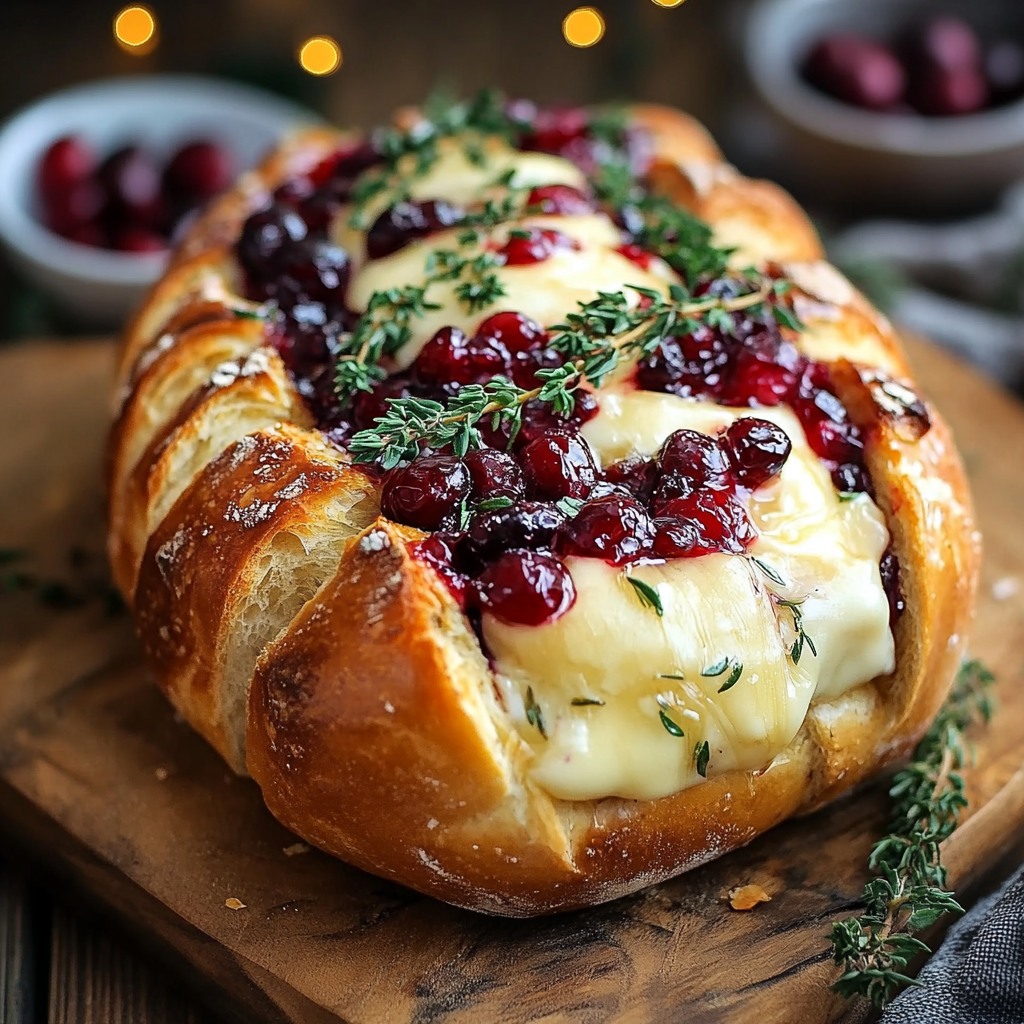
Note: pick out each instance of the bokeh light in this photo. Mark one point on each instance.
(320, 55)
(583, 27)
(669, 3)
(135, 30)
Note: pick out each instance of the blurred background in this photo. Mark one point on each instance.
(898, 123)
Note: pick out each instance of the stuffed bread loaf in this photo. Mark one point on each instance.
(525, 504)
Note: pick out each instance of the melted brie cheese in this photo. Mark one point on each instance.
(610, 648)
(715, 607)
(545, 291)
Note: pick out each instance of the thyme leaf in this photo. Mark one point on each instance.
(648, 595)
(586, 702)
(701, 757)
(908, 892)
(534, 715)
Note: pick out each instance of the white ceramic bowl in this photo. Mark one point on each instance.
(96, 286)
(860, 156)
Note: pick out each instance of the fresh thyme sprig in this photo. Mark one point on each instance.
(482, 116)
(594, 340)
(386, 325)
(909, 891)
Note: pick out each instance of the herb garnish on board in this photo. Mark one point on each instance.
(909, 891)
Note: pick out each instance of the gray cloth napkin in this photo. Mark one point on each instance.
(977, 974)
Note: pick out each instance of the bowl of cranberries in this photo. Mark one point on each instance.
(97, 182)
(894, 102)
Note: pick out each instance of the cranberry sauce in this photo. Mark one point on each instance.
(753, 365)
(503, 520)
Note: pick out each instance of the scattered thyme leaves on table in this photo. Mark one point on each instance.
(908, 893)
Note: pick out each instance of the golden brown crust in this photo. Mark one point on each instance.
(372, 723)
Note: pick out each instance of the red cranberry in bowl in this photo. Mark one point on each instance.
(559, 199)
(65, 163)
(133, 239)
(857, 71)
(199, 170)
(617, 529)
(516, 332)
(494, 474)
(558, 465)
(77, 207)
(526, 588)
(424, 492)
(718, 521)
(944, 43)
(451, 357)
(950, 93)
(758, 449)
(131, 178)
(534, 245)
(407, 221)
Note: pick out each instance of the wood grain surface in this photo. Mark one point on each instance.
(127, 808)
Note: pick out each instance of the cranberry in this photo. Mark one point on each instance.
(559, 199)
(370, 406)
(451, 357)
(641, 257)
(554, 129)
(424, 492)
(91, 234)
(77, 206)
(689, 461)
(528, 524)
(494, 474)
(754, 381)
(758, 449)
(132, 239)
(263, 237)
(950, 93)
(836, 442)
(310, 270)
(558, 465)
(945, 42)
(540, 418)
(702, 523)
(318, 210)
(131, 178)
(852, 478)
(687, 365)
(349, 166)
(68, 161)
(526, 364)
(437, 551)
(406, 221)
(199, 170)
(515, 332)
(526, 588)
(636, 475)
(533, 245)
(856, 71)
(889, 570)
(614, 528)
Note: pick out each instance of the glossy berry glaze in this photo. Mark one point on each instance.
(502, 519)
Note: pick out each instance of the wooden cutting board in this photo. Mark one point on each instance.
(122, 804)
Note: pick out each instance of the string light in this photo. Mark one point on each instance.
(320, 55)
(583, 27)
(135, 30)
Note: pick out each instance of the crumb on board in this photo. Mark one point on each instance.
(746, 897)
(295, 849)
(161, 774)
(234, 903)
